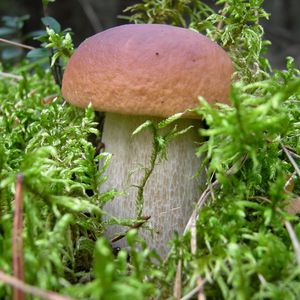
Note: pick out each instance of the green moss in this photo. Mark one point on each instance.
(244, 250)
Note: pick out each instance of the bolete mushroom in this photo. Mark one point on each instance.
(137, 72)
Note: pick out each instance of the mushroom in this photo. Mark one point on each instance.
(140, 72)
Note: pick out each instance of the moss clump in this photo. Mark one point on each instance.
(243, 248)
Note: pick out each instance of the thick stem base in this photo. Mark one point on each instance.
(170, 192)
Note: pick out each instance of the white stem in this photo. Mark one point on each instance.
(171, 191)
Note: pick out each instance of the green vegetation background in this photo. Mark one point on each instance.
(244, 250)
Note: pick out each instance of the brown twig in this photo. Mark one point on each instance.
(26, 288)
(17, 238)
(16, 44)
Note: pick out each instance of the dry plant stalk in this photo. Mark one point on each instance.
(17, 239)
(290, 183)
(200, 281)
(290, 155)
(208, 191)
(295, 242)
(16, 44)
(221, 23)
(11, 76)
(191, 225)
(178, 281)
(294, 205)
(194, 291)
(205, 195)
(21, 286)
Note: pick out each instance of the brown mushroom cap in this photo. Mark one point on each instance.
(150, 69)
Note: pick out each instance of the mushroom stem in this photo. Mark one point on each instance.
(169, 190)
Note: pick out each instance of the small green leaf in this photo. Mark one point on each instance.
(46, 2)
(104, 267)
(51, 23)
(38, 53)
(54, 58)
(146, 124)
(175, 134)
(169, 120)
(6, 31)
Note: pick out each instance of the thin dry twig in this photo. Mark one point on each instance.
(294, 240)
(261, 278)
(178, 281)
(17, 238)
(16, 44)
(9, 75)
(290, 183)
(18, 284)
(288, 148)
(199, 282)
(220, 24)
(292, 153)
(207, 192)
(194, 291)
(205, 195)
(209, 185)
(291, 159)
(193, 236)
